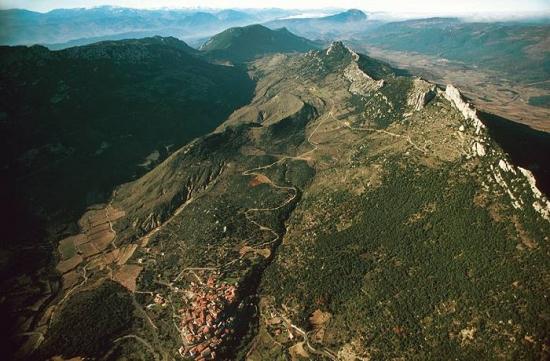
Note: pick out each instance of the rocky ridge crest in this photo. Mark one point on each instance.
(482, 146)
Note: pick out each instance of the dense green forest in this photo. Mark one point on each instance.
(418, 247)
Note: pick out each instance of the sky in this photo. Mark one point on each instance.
(424, 6)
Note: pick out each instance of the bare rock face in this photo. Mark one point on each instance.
(478, 149)
(506, 166)
(360, 82)
(469, 112)
(421, 94)
(541, 203)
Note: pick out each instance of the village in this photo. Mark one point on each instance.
(205, 323)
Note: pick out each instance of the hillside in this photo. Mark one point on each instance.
(349, 211)
(518, 50)
(77, 122)
(250, 42)
(125, 100)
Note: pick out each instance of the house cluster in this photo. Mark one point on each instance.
(204, 324)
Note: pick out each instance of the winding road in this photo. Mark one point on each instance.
(256, 172)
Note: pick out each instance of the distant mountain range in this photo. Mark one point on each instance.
(84, 26)
(64, 28)
(334, 26)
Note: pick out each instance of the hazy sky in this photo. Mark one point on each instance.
(424, 6)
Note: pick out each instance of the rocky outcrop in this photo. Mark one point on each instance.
(468, 111)
(541, 204)
(478, 149)
(516, 202)
(505, 166)
(421, 94)
(360, 82)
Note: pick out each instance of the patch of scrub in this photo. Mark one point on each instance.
(542, 101)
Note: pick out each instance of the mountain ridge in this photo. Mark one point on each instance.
(341, 194)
